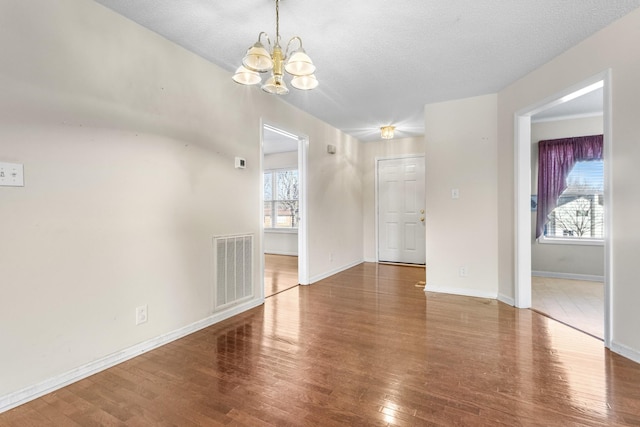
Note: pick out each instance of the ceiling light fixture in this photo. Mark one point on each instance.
(259, 60)
(387, 132)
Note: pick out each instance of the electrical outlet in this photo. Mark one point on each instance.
(463, 271)
(141, 314)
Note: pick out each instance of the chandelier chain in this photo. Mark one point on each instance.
(277, 22)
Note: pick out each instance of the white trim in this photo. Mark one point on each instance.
(279, 131)
(32, 392)
(303, 221)
(370, 260)
(399, 156)
(568, 117)
(461, 291)
(608, 205)
(281, 253)
(570, 276)
(281, 230)
(506, 299)
(625, 351)
(260, 211)
(522, 215)
(375, 209)
(544, 240)
(322, 276)
(522, 188)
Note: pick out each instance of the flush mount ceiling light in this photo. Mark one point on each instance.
(259, 60)
(387, 132)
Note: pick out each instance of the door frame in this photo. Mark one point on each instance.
(303, 226)
(377, 159)
(522, 188)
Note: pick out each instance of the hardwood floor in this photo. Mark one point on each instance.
(577, 303)
(363, 347)
(280, 273)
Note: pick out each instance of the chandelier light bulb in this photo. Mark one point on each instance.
(244, 76)
(300, 64)
(258, 58)
(304, 82)
(276, 86)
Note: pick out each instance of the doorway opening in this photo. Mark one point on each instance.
(283, 210)
(527, 246)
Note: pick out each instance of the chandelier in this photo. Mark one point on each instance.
(259, 60)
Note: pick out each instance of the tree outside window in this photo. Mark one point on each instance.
(281, 193)
(577, 216)
(579, 212)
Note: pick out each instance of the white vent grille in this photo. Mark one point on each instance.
(234, 269)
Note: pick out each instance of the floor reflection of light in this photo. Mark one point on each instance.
(389, 411)
(389, 415)
(585, 374)
(282, 316)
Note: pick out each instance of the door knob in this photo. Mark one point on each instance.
(422, 218)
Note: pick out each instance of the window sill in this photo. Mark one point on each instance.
(281, 230)
(564, 241)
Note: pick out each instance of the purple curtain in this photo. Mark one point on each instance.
(556, 158)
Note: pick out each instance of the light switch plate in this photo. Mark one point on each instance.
(141, 314)
(11, 175)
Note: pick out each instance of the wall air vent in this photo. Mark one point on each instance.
(233, 270)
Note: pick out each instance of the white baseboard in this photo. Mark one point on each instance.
(625, 351)
(32, 392)
(370, 260)
(461, 291)
(281, 253)
(507, 300)
(571, 276)
(319, 277)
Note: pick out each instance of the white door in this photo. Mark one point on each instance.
(401, 202)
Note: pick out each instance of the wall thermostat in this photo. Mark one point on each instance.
(240, 163)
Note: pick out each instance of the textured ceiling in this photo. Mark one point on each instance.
(590, 104)
(380, 61)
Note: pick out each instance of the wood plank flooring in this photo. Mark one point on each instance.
(280, 273)
(577, 303)
(365, 347)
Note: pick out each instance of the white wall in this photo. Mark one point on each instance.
(128, 143)
(369, 152)
(561, 258)
(335, 212)
(280, 160)
(461, 154)
(615, 48)
(281, 242)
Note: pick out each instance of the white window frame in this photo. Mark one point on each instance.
(291, 230)
(579, 241)
(569, 241)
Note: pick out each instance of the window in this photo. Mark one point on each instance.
(281, 198)
(579, 213)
